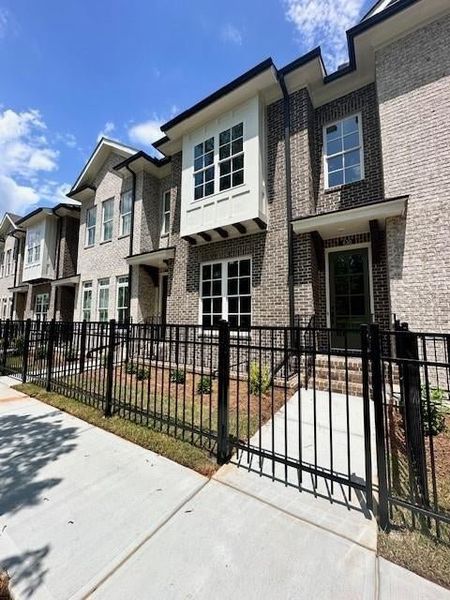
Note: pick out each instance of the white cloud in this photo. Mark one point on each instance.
(230, 33)
(4, 21)
(324, 22)
(145, 133)
(25, 157)
(107, 130)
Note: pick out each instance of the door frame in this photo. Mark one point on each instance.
(345, 248)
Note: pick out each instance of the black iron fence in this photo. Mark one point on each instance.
(282, 401)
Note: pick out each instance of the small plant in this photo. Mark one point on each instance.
(259, 379)
(18, 344)
(4, 585)
(71, 355)
(142, 374)
(177, 376)
(433, 412)
(204, 385)
(131, 368)
(41, 352)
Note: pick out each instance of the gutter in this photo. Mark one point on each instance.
(288, 173)
(130, 267)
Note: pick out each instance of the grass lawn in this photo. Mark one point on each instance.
(175, 449)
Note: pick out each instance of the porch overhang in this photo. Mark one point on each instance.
(66, 281)
(340, 223)
(19, 289)
(155, 258)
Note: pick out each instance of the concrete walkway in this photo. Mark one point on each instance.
(84, 514)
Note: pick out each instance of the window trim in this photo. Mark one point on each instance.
(92, 209)
(83, 289)
(103, 283)
(37, 231)
(42, 294)
(166, 214)
(9, 263)
(326, 156)
(224, 262)
(126, 214)
(111, 220)
(126, 308)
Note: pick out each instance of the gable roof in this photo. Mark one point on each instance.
(8, 222)
(379, 6)
(104, 147)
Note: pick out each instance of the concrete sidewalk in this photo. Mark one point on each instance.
(86, 514)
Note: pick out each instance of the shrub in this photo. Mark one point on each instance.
(142, 374)
(433, 414)
(177, 376)
(18, 344)
(71, 355)
(41, 352)
(131, 368)
(259, 379)
(204, 385)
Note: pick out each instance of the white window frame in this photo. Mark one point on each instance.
(2, 264)
(4, 308)
(125, 217)
(103, 284)
(165, 217)
(9, 262)
(41, 315)
(92, 227)
(122, 282)
(105, 203)
(87, 287)
(231, 158)
(33, 248)
(224, 286)
(326, 156)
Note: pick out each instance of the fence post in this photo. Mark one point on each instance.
(366, 411)
(223, 440)
(377, 395)
(5, 344)
(26, 344)
(110, 368)
(50, 348)
(83, 345)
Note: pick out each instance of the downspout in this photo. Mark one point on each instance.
(288, 171)
(130, 253)
(58, 258)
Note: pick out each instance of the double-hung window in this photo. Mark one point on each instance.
(2, 264)
(87, 300)
(165, 225)
(231, 157)
(122, 298)
(107, 219)
(344, 160)
(91, 221)
(204, 169)
(8, 262)
(226, 292)
(125, 213)
(33, 246)
(41, 307)
(103, 299)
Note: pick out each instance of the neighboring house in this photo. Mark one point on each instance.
(45, 275)
(288, 192)
(8, 259)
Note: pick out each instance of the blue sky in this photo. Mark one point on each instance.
(73, 70)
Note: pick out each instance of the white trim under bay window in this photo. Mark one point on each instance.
(343, 151)
(226, 292)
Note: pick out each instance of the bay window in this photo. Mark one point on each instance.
(226, 292)
(343, 152)
(33, 246)
(204, 169)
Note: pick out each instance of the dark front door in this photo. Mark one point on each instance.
(164, 290)
(349, 295)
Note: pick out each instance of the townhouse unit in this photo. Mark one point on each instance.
(8, 260)
(287, 194)
(45, 269)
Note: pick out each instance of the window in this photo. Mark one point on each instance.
(343, 152)
(204, 169)
(41, 307)
(33, 246)
(4, 308)
(122, 298)
(231, 157)
(8, 262)
(107, 218)
(87, 300)
(91, 221)
(166, 213)
(226, 292)
(2, 264)
(103, 299)
(125, 213)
